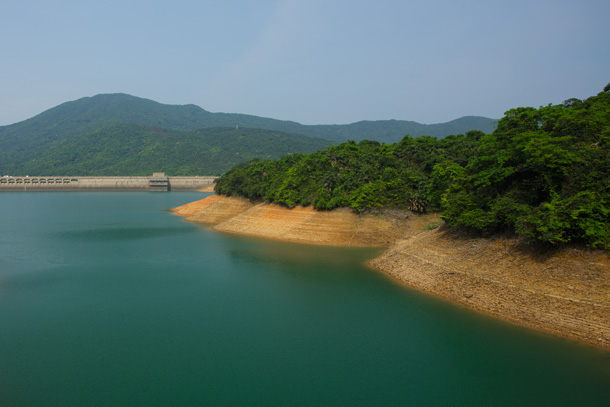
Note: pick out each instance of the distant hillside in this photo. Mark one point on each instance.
(392, 131)
(140, 150)
(93, 112)
(27, 141)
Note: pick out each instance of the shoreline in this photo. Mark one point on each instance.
(564, 292)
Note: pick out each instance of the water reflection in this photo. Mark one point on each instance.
(121, 233)
(296, 254)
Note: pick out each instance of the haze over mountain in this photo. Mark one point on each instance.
(25, 147)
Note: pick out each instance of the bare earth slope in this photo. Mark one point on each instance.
(564, 292)
(306, 225)
(303, 225)
(192, 208)
(213, 210)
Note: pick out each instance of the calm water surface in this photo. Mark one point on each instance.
(107, 299)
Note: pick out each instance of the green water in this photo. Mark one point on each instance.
(107, 299)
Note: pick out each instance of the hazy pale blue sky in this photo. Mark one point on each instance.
(311, 61)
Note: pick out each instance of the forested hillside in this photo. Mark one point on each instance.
(543, 173)
(69, 138)
(392, 131)
(28, 139)
(130, 149)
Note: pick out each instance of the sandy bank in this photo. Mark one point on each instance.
(303, 225)
(565, 292)
(213, 210)
(193, 207)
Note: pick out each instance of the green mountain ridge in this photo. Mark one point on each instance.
(93, 112)
(140, 150)
(23, 144)
(392, 131)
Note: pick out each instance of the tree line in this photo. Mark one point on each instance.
(543, 173)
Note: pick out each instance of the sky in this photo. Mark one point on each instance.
(310, 61)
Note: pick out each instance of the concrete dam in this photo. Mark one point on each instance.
(156, 182)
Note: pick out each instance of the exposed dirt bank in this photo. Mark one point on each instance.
(564, 292)
(303, 225)
(213, 210)
(193, 207)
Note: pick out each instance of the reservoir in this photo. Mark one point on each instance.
(108, 299)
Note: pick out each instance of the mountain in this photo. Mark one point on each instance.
(93, 112)
(392, 131)
(133, 149)
(27, 141)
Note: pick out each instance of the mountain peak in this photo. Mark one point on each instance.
(91, 112)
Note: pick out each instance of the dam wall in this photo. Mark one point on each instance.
(190, 183)
(156, 182)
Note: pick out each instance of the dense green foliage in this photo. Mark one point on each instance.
(26, 142)
(360, 176)
(543, 173)
(140, 150)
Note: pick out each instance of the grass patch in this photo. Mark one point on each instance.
(433, 225)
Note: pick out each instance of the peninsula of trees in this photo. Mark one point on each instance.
(542, 173)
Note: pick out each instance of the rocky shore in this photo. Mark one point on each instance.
(565, 292)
